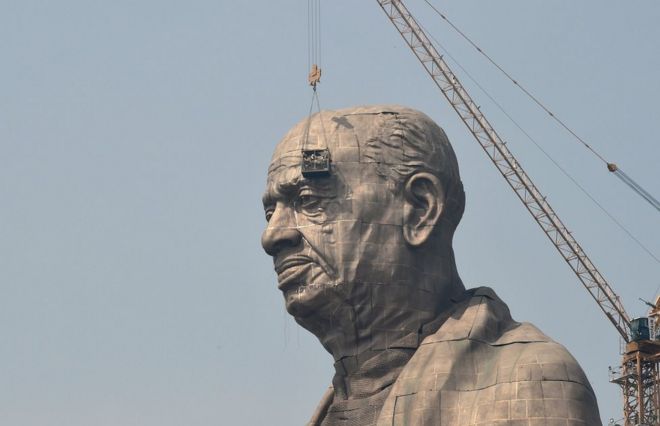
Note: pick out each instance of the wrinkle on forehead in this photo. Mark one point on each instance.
(286, 170)
(282, 178)
(287, 179)
(351, 135)
(282, 163)
(341, 133)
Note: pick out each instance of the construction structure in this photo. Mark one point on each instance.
(639, 375)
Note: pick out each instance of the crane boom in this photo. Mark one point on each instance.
(507, 165)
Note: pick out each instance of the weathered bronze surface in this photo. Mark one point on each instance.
(364, 258)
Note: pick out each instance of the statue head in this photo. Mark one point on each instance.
(370, 242)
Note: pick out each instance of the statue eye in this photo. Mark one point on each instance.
(308, 201)
(269, 214)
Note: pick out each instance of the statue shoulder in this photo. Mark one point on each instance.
(482, 367)
(542, 379)
(533, 354)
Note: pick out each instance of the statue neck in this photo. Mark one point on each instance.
(372, 342)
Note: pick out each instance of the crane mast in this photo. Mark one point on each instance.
(639, 376)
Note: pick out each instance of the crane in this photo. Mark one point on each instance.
(638, 376)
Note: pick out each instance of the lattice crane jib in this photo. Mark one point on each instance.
(507, 164)
(640, 380)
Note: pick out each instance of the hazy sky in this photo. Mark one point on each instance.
(134, 142)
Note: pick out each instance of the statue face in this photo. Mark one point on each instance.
(333, 239)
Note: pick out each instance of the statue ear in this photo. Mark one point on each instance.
(423, 205)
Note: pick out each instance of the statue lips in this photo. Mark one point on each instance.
(290, 269)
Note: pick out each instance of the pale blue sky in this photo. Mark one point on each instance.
(134, 140)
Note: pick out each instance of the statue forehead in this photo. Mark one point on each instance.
(342, 132)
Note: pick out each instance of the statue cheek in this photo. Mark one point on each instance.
(328, 239)
(321, 241)
(332, 210)
(328, 231)
(321, 237)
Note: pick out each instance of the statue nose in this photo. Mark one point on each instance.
(281, 232)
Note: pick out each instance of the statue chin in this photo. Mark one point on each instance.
(310, 300)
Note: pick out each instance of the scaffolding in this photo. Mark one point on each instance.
(639, 374)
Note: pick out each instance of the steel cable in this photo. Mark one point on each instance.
(546, 154)
(624, 178)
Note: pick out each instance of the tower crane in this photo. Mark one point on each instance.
(638, 376)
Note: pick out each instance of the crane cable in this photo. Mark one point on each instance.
(314, 65)
(545, 153)
(314, 42)
(613, 168)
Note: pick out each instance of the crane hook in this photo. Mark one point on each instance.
(314, 76)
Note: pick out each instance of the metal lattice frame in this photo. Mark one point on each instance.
(506, 163)
(640, 384)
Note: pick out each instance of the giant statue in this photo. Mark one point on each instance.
(361, 207)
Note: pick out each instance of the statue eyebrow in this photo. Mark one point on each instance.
(290, 186)
(287, 189)
(281, 190)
